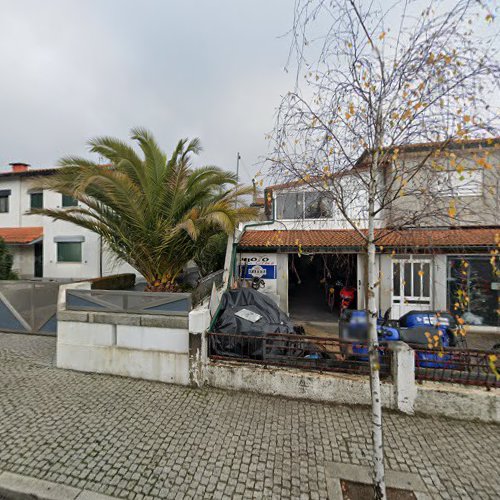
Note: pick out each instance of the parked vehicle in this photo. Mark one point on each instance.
(426, 329)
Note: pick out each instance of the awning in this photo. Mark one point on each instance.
(349, 239)
(21, 235)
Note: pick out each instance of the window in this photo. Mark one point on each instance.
(317, 206)
(36, 200)
(473, 286)
(453, 183)
(4, 204)
(411, 281)
(290, 206)
(69, 251)
(4, 200)
(69, 201)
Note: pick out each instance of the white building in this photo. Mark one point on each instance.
(41, 246)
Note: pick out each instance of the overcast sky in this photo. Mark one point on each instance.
(74, 69)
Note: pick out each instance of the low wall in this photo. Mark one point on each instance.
(458, 401)
(293, 383)
(152, 347)
(132, 345)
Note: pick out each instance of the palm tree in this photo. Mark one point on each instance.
(153, 212)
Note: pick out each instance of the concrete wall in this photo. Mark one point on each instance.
(151, 347)
(132, 345)
(23, 260)
(458, 401)
(401, 392)
(327, 387)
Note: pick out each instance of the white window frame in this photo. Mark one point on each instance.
(451, 183)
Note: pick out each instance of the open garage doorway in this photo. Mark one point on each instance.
(316, 283)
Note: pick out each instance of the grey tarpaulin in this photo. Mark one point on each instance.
(273, 321)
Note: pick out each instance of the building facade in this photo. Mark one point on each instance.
(41, 246)
(307, 250)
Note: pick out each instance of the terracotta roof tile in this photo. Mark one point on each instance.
(342, 238)
(20, 235)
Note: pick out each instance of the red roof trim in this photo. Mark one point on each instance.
(342, 238)
(20, 235)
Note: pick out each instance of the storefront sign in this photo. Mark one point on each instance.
(259, 266)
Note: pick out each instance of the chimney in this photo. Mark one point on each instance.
(18, 166)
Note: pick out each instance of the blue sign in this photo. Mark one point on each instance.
(257, 271)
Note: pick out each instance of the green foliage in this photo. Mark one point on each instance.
(154, 211)
(211, 256)
(6, 260)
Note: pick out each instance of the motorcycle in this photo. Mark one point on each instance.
(425, 329)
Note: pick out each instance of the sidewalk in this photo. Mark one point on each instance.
(136, 439)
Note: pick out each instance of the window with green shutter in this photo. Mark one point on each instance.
(69, 251)
(36, 200)
(69, 201)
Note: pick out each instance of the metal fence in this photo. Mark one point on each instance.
(129, 302)
(28, 307)
(296, 351)
(461, 366)
(204, 287)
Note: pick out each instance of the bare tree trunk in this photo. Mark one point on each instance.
(377, 437)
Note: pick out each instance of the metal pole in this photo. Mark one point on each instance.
(238, 158)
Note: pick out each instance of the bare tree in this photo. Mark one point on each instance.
(370, 81)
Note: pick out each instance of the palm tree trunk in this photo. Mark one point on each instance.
(162, 283)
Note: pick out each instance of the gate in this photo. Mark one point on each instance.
(28, 307)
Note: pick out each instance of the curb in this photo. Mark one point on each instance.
(17, 487)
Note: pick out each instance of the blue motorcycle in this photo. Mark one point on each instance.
(428, 331)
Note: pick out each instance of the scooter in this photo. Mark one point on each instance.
(424, 329)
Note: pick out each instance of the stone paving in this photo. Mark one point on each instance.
(136, 439)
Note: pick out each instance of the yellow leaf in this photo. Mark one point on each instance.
(382, 35)
(452, 211)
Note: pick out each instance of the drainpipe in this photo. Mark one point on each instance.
(232, 268)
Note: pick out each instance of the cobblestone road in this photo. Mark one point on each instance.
(137, 439)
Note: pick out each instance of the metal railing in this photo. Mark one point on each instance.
(204, 287)
(125, 301)
(460, 366)
(296, 351)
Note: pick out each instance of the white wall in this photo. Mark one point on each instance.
(13, 217)
(23, 260)
(440, 282)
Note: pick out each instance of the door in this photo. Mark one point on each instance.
(411, 286)
(38, 260)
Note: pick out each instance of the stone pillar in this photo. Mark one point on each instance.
(199, 322)
(403, 375)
